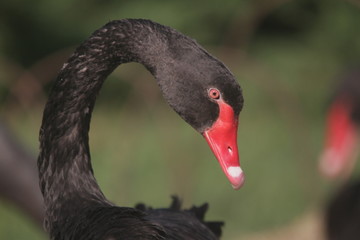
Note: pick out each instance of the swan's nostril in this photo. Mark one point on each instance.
(230, 149)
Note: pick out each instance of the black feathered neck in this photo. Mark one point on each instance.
(64, 160)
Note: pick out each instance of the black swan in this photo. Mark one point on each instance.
(19, 181)
(343, 121)
(342, 212)
(196, 85)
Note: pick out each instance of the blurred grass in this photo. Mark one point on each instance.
(142, 151)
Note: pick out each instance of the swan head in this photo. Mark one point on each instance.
(206, 95)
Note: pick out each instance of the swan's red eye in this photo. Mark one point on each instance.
(214, 93)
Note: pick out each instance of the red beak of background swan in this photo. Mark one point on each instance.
(340, 141)
(222, 139)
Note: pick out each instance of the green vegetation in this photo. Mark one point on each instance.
(285, 54)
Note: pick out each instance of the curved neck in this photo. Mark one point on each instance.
(64, 161)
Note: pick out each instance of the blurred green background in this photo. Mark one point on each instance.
(287, 56)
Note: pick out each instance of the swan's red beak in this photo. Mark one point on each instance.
(222, 139)
(340, 141)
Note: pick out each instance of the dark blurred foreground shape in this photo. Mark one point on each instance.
(19, 183)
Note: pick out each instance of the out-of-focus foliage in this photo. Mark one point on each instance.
(286, 55)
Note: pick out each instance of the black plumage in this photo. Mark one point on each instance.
(342, 216)
(181, 223)
(75, 206)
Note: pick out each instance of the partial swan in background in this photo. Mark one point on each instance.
(343, 121)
